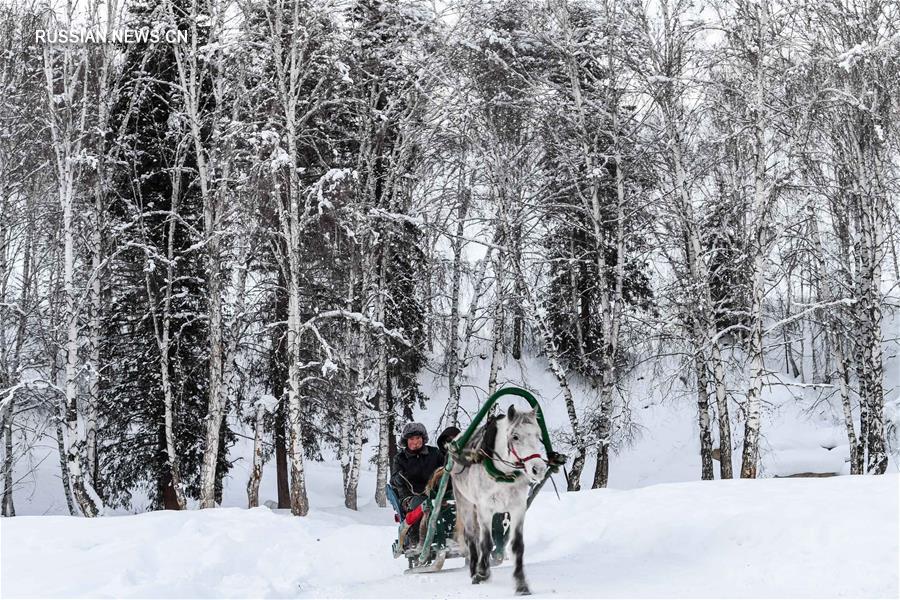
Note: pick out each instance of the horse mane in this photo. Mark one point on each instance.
(485, 438)
(489, 439)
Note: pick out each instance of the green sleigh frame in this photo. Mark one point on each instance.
(442, 515)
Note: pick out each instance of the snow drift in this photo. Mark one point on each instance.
(763, 538)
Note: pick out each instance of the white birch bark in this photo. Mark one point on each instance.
(498, 317)
(382, 474)
(703, 419)
(452, 412)
(256, 470)
(263, 405)
(7, 507)
(355, 415)
(67, 133)
(356, 448)
(7, 374)
(454, 364)
(760, 244)
(212, 173)
(104, 93)
(610, 291)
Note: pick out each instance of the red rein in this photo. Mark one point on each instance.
(521, 461)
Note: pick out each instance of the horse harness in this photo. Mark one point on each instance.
(486, 457)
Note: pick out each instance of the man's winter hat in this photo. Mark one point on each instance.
(411, 429)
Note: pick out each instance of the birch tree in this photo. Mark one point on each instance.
(752, 50)
(854, 67)
(668, 65)
(204, 79)
(67, 71)
(605, 177)
(22, 160)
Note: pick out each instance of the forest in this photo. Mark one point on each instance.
(275, 229)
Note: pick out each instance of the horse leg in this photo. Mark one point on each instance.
(486, 543)
(518, 548)
(467, 529)
(473, 557)
(472, 530)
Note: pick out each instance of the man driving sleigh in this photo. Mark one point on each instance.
(412, 469)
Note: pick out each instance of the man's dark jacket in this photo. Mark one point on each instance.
(410, 471)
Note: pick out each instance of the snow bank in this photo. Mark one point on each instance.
(764, 538)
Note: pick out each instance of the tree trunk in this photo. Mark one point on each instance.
(80, 486)
(358, 340)
(871, 199)
(706, 464)
(351, 492)
(496, 346)
(750, 456)
(725, 467)
(11, 364)
(6, 373)
(93, 398)
(874, 367)
(856, 462)
(518, 321)
(63, 463)
(175, 499)
(8, 509)
(256, 471)
(167, 498)
(604, 433)
(216, 410)
(384, 420)
(454, 369)
(299, 501)
(281, 468)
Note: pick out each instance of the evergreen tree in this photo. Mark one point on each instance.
(390, 40)
(156, 204)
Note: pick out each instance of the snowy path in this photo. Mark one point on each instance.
(784, 538)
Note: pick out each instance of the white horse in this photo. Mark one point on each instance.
(513, 442)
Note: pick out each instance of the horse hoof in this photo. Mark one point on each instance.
(479, 577)
(522, 590)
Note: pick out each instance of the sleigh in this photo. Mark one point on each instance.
(437, 542)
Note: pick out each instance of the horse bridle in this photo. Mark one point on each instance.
(520, 462)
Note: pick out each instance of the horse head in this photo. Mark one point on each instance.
(521, 443)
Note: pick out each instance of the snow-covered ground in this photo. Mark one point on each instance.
(765, 538)
(656, 532)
